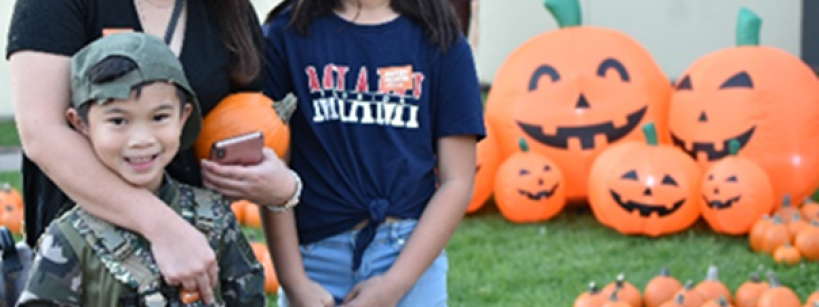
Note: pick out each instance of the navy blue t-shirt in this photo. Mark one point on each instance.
(373, 100)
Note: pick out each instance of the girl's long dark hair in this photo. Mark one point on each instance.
(436, 16)
(239, 35)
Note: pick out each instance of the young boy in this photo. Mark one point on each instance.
(131, 99)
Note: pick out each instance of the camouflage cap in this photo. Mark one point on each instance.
(155, 62)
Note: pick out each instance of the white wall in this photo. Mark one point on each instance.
(676, 32)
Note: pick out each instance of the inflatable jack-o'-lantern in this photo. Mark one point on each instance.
(650, 189)
(574, 91)
(736, 193)
(761, 96)
(529, 187)
(488, 161)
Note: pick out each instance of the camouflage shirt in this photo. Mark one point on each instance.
(78, 265)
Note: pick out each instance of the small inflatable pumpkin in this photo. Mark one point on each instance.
(650, 189)
(529, 187)
(488, 160)
(242, 113)
(763, 97)
(736, 194)
(574, 91)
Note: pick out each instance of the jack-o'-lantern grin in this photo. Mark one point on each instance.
(584, 133)
(719, 204)
(646, 209)
(539, 195)
(709, 149)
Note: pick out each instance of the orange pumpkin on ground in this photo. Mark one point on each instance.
(778, 295)
(755, 235)
(239, 114)
(625, 291)
(749, 292)
(590, 298)
(736, 192)
(10, 196)
(691, 297)
(529, 187)
(810, 209)
(774, 236)
(796, 224)
(807, 241)
(786, 209)
(661, 289)
(614, 301)
(677, 301)
(574, 91)
(754, 94)
(488, 161)
(711, 287)
(238, 208)
(650, 189)
(721, 302)
(813, 298)
(12, 218)
(786, 254)
(252, 216)
(271, 281)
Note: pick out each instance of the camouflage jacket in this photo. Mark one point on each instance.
(84, 261)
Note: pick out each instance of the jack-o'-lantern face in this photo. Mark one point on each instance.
(529, 188)
(726, 107)
(650, 197)
(736, 193)
(573, 92)
(763, 97)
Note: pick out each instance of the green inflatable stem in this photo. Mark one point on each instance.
(733, 147)
(523, 146)
(650, 132)
(748, 27)
(566, 12)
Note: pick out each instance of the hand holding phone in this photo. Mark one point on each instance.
(244, 149)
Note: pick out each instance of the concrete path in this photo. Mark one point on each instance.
(10, 159)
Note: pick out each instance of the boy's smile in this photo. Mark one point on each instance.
(138, 137)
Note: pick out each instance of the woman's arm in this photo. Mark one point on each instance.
(41, 93)
(456, 168)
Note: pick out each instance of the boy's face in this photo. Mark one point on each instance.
(138, 137)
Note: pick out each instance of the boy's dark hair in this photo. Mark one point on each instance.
(437, 17)
(112, 68)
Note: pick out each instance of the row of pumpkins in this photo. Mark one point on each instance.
(665, 290)
(575, 96)
(790, 235)
(11, 202)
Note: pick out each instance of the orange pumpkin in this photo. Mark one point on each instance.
(12, 218)
(691, 297)
(797, 224)
(749, 292)
(712, 288)
(778, 295)
(252, 215)
(590, 298)
(786, 254)
(614, 301)
(238, 208)
(529, 187)
(661, 289)
(488, 161)
(756, 95)
(574, 91)
(650, 189)
(787, 209)
(10, 196)
(271, 281)
(242, 113)
(810, 209)
(720, 302)
(737, 193)
(624, 291)
(807, 241)
(813, 298)
(677, 301)
(774, 236)
(755, 235)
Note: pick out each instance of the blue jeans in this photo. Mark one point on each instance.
(329, 263)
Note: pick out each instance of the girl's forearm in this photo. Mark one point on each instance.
(434, 230)
(282, 241)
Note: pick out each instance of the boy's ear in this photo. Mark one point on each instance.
(76, 121)
(186, 112)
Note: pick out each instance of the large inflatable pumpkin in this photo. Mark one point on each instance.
(239, 114)
(764, 97)
(646, 188)
(488, 161)
(573, 92)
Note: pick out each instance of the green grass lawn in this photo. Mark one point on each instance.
(496, 263)
(8, 134)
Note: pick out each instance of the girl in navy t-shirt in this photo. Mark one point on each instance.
(383, 137)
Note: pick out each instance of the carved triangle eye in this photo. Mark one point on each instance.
(630, 175)
(523, 172)
(684, 83)
(731, 179)
(668, 180)
(741, 79)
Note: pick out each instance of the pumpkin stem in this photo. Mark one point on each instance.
(713, 273)
(689, 285)
(593, 288)
(650, 132)
(748, 27)
(755, 278)
(796, 217)
(567, 13)
(722, 301)
(680, 299)
(816, 304)
(620, 280)
(733, 147)
(665, 272)
(773, 280)
(613, 296)
(807, 200)
(5, 187)
(786, 200)
(523, 145)
(777, 219)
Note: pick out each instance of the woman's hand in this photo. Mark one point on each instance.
(377, 291)
(266, 183)
(310, 294)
